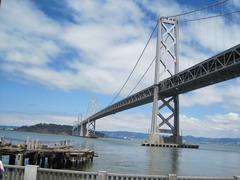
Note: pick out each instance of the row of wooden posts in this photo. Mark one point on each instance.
(56, 160)
(58, 156)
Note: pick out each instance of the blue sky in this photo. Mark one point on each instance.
(55, 56)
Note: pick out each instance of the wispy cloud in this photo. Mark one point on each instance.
(224, 95)
(107, 38)
(107, 42)
(29, 119)
(217, 125)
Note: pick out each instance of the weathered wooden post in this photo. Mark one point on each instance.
(60, 161)
(20, 159)
(12, 159)
(77, 162)
(42, 165)
(92, 155)
(50, 162)
(33, 158)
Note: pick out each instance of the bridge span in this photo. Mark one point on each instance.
(221, 67)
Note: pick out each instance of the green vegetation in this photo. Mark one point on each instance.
(47, 128)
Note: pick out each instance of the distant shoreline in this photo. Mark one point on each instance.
(47, 129)
(67, 130)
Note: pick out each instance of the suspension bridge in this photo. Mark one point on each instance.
(164, 94)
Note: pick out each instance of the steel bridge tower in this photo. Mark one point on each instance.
(167, 110)
(86, 129)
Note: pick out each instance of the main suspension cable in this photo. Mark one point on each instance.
(210, 17)
(200, 9)
(119, 92)
(142, 77)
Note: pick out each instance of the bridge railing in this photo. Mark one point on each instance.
(31, 172)
(49, 174)
(114, 176)
(13, 172)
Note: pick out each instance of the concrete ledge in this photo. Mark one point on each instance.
(34, 173)
(168, 145)
(30, 172)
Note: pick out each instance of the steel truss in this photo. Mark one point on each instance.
(224, 66)
(91, 125)
(167, 52)
(86, 128)
(76, 126)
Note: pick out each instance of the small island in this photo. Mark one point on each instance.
(47, 128)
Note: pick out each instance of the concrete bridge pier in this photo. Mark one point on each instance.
(91, 129)
(83, 130)
(87, 129)
(169, 122)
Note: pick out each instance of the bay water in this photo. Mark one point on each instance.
(128, 156)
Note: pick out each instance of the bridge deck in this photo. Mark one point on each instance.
(221, 67)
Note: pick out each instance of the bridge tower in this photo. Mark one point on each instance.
(76, 126)
(88, 129)
(167, 110)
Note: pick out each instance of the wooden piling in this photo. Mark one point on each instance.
(50, 161)
(44, 156)
(42, 164)
(20, 160)
(12, 159)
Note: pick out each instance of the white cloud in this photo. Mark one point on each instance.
(29, 119)
(163, 7)
(225, 95)
(108, 46)
(205, 96)
(226, 118)
(235, 3)
(190, 56)
(135, 122)
(106, 12)
(108, 42)
(25, 33)
(25, 18)
(217, 125)
(214, 34)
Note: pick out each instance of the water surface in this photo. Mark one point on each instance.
(128, 156)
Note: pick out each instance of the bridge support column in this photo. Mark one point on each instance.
(88, 129)
(169, 116)
(177, 138)
(91, 129)
(166, 53)
(83, 130)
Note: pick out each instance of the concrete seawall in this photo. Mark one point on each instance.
(31, 172)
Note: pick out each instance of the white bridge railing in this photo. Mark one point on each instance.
(31, 172)
(13, 172)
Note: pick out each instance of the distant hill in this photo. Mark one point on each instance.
(186, 139)
(7, 127)
(204, 140)
(67, 130)
(47, 128)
